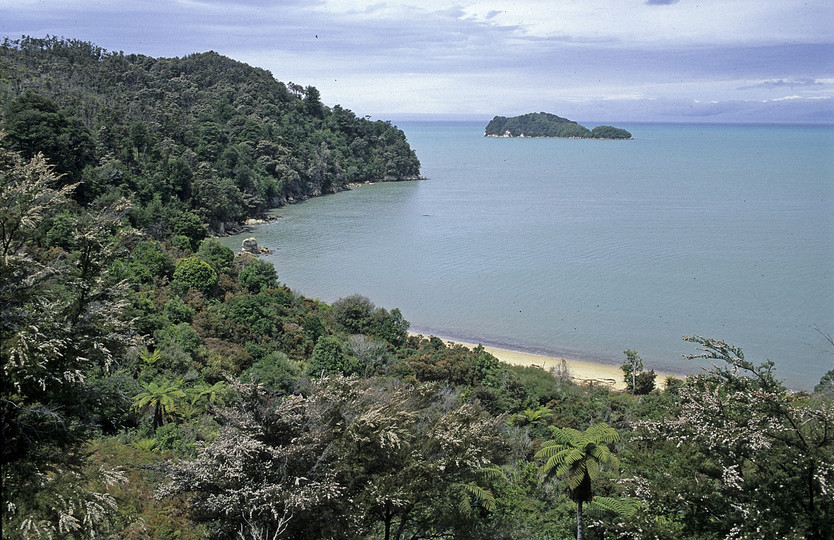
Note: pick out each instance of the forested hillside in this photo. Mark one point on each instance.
(197, 139)
(156, 384)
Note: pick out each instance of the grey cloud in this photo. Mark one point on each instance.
(661, 2)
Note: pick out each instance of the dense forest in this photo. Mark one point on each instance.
(200, 139)
(544, 124)
(158, 385)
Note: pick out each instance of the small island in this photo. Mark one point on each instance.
(544, 124)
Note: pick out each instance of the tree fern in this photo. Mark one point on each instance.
(577, 457)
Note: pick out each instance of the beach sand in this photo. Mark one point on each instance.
(580, 371)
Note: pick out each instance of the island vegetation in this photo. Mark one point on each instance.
(544, 124)
(157, 384)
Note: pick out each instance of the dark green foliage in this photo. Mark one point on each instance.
(188, 225)
(330, 357)
(178, 311)
(391, 327)
(312, 102)
(548, 125)
(108, 400)
(216, 254)
(637, 381)
(353, 314)
(644, 382)
(275, 372)
(151, 257)
(314, 328)
(358, 315)
(258, 275)
(33, 123)
(61, 231)
(826, 384)
(168, 437)
(433, 361)
(609, 132)
(196, 273)
(539, 386)
(201, 140)
(178, 346)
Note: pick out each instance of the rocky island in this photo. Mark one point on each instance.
(544, 124)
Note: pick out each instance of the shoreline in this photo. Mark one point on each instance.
(580, 371)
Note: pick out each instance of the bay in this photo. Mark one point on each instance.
(584, 248)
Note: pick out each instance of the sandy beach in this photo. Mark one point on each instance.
(580, 371)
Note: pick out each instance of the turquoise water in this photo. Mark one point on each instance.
(586, 248)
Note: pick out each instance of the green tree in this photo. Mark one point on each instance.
(61, 321)
(312, 102)
(351, 459)
(190, 225)
(178, 311)
(578, 457)
(638, 382)
(609, 132)
(151, 257)
(214, 394)
(826, 384)
(194, 272)
(331, 357)
(258, 275)
(160, 396)
(275, 371)
(757, 458)
(353, 313)
(34, 124)
(216, 254)
(392, 327)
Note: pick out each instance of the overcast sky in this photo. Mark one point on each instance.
(605, 60)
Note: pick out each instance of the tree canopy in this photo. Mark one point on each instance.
(200, 137)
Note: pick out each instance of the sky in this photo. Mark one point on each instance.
(605, 60)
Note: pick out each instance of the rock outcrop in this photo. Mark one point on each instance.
(250, 245)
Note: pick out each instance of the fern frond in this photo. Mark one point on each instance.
(482, 496)
(479, 495)
(602, 432)
(622, 507)
(492, 473)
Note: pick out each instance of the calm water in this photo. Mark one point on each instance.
(586, 248)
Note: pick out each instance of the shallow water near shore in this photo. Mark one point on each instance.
(584, 248)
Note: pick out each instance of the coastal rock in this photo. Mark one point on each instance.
(250, 245)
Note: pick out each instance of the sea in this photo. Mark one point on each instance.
(586, 248)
